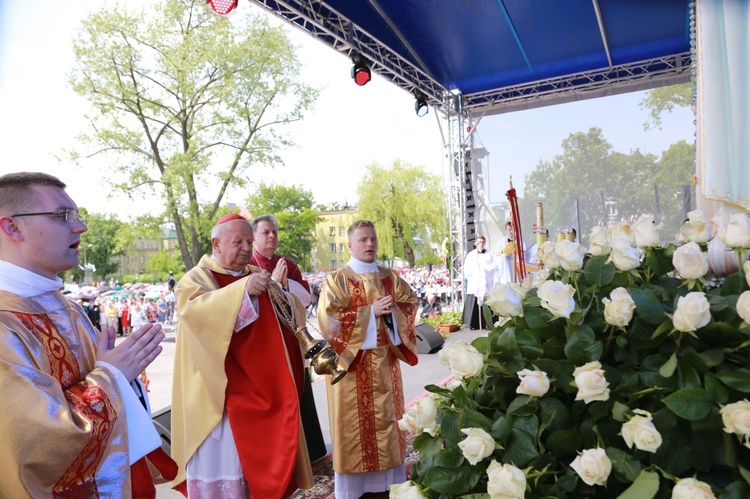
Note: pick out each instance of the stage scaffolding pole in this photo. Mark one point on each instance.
(453, 104)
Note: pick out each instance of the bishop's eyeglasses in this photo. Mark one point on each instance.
(66, 215)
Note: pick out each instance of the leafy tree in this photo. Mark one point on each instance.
(663, 99)
(404, 202)
(162, 263)
(107, 237)
(184, 102)
(292, 207)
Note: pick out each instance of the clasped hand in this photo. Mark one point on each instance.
(382, 305)
(136, 352)
(257, 283)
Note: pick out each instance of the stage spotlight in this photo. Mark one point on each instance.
(222, 7)
(361, 70)
(420, 103)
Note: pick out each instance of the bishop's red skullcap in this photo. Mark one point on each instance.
(230, 217)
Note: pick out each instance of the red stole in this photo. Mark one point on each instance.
(262, 400)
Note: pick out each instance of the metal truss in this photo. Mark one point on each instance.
(457, 195)
(628, 77)
(327, 25)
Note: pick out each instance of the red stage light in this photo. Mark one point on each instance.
(361, 74)
(222, 7)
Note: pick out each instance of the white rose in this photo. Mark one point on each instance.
(453, 383)
(557, 297)
(477, 445)
(540, 277)
(618, 310)
(505, 481)
(504, 301)
(407, 423)
(692, 312)
(746, 268)
(546, 254)
(647, 233)
(623, 229)
(463, 359)
(520, 288)
(424, 412)
(697, 229)
(690, 488)
(623, 255)
(570, 255)
(736, 233)
(591, 383)
(534, 383)
(593, 466)
(641, 432)
(598, 242)
(736, 417)
(690, 262)
(743, 306)
(406, 490)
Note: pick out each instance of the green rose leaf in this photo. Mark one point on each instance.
(583, 347)
(521, 405)
(691, 403)
(521, 448)
(667, 370)
(501, 429)
(645, 487)
(735, 490)
(647, 305)
(453, 481)
(426, 444)
(737, 379)
(623, 463)
(597, 272)
(563, 443)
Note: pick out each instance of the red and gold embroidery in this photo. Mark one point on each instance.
(79, 480)
(366, 411)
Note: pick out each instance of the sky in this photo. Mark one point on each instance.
(348, 128)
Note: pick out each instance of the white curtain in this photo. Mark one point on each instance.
(723, 113)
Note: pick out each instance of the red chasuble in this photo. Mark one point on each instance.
(262, 400)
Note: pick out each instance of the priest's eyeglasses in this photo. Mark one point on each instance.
(65, 215)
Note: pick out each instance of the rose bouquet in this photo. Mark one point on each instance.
(619, 372)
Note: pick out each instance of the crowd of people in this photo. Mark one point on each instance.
(243, 417)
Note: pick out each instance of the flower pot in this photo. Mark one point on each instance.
(447, 328)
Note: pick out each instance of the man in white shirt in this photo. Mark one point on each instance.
(480, 273)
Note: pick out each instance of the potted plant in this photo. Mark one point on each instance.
(446, 322)
(610, 375)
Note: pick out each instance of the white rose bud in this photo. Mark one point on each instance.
(591, 383)
(557, 297)
(647, 233)
(407, 423)
(546, 254)
(692, 313)
(736, 234)
(690, 262)
(504, 301)
(623, 229)
(453, 383)
(618, 310)
(424, 412)
(743, 306)
(641, 432)
(477, 445)
(540, 277)
(690, 488)
(697, 229)
(593, 466)
(570, 254)
(463, 359)
(534, 383)
(623, 255)
(599, 242)
(736, 417)
(406, 490)
(505, 481)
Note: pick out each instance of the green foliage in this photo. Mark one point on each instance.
(665, 99)
(681, 378)
(447, 318)
(184, 103)
(404, 202)
(162, 264)
(605, 181)
(106, 237)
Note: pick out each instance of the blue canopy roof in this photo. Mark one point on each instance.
(504, 55)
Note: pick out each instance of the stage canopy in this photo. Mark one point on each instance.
(506, 55)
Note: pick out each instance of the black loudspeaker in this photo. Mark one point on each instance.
(428, 340)
(163, 423)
